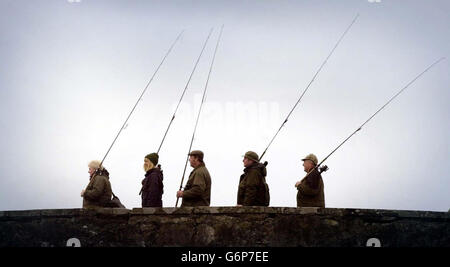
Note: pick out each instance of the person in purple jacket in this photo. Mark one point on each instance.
(152, 185)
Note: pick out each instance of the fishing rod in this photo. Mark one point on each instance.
(307, 87)
(140, 97)
(199, 111)
(184, 91)
(362, 125)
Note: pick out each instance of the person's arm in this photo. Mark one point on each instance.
(305, 187)
(251, 188)
(241, 191)
(97, 188)
(197, 189)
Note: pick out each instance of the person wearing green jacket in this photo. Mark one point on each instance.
(310, 189)
(98, 192)
(253, 189)
(197, 191)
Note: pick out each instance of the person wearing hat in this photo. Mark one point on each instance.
(310, 189)
(197, 191)
(253, 189)
(98, 192)
(152, 185)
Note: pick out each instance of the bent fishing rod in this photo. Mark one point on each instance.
(199, 111)
(380, 109)
(182, 95)
(184, 91)
(140, 97)
(307, 87)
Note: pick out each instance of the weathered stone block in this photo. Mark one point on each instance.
(23, 213)
(62, 212)
(120, 211)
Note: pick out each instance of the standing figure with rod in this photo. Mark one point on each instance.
(197, 191)
(253, 189)
(318, 167)
(310, 189)
(152, 186)
(99, 176)
(98, 192)
(196, 157)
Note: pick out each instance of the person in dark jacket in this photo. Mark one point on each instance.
(152, 185)
(98, 192)
(310, 189)
(252, 184)
(197, 191)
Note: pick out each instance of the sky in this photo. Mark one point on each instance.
(70, 72)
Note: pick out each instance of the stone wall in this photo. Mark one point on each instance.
(224, 226)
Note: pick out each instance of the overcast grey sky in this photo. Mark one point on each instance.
(71, 71)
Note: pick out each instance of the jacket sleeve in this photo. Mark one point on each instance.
(305, 189)
(251, 188)
(197, 189)
(97, 189)
(241, 191)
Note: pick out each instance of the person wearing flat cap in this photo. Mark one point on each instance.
(310, 189)
(197, 191)
(253, 189)
(152, 185)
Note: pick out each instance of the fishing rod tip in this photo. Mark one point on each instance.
(441, 59)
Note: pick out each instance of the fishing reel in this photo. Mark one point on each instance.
(323, 168)
(101, 172)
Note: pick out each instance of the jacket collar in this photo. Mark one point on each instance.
(255, 165)
(152, 170)
(201, 165)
